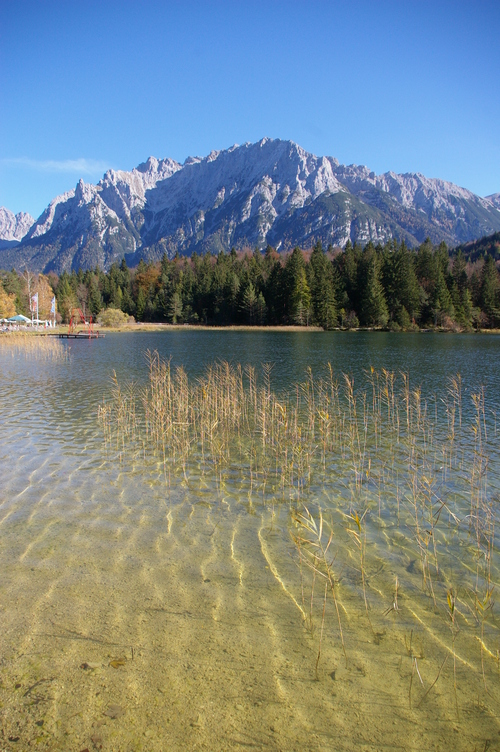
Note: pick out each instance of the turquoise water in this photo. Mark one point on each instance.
(148, 608)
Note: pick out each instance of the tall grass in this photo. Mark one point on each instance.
(378, 478)
(32, 346)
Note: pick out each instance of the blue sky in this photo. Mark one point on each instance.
(404, 86)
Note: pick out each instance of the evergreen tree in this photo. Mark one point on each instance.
(435, 280)
(140, 305)
(373, 306)
(408, 289)
(66, 297)
(297, 288)
(300, 301)
(389, 278)
(249, 303)
(255, 265)
(95, 301)
(425, 266)
(276, 293)
(320, 278)
(203, 289)
(490, 291)
(261, 310)
(175, 308)
(460, 291)
(441, 301)
(345, 271)
(401, 287)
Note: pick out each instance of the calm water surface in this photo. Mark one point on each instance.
(146, 613)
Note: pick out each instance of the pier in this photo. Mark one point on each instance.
(79, 335)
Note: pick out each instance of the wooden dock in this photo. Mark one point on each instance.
(80, 335)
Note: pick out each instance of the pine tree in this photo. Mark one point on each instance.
(66, 297)
(300, 300)
(320, 278)
(490, 291)
(408, 290)
(460, 291)
(345, 274)
(373, 306)
(140, 306)
(298, 293)
(95, 300)
(261, 310)
(175, 308)
(441, 301)
(276, 293)
(249, 303)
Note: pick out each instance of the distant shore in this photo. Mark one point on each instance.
(165, 327)
(150, 327)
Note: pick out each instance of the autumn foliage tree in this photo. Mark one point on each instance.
(7, 303)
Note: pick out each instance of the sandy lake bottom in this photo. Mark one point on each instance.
(140, 612)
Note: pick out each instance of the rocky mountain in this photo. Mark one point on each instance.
(271, 192)
(494, 199)
(13, 227)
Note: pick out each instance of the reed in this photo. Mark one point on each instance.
(358, 534)
(395, 476)
(451, 601)
(33, 346)
(309, 537)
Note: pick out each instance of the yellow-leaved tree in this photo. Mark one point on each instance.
(45, 295)
(7, 304)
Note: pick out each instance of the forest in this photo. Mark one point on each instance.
(390, 287)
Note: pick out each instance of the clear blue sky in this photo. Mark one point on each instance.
(409, 86)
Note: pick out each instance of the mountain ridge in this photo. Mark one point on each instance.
(270, 192)
(13, 227)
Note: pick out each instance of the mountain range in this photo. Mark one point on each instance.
(271, 192)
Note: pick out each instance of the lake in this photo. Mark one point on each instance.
(283, 559)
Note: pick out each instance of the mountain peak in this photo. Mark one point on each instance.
(13, 227)
(212, 156)
(494, 199)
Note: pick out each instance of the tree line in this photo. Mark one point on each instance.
(388, 286)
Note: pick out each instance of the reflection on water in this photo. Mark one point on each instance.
(146, 611)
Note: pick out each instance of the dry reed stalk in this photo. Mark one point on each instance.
(359, 536)
(378, 447)
(451, 603)
(434, 682)
(310, 538)
(321, 632)
(34, 346)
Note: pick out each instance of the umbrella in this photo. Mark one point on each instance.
(19, 319)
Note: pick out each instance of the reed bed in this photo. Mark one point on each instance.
(33, 346)
(392, 498)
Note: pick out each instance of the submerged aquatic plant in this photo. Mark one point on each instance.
(315, 548)
(384, 486)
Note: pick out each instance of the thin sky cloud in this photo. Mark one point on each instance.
(78, 166)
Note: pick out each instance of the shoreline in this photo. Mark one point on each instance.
(165, 327)
(293, 328)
